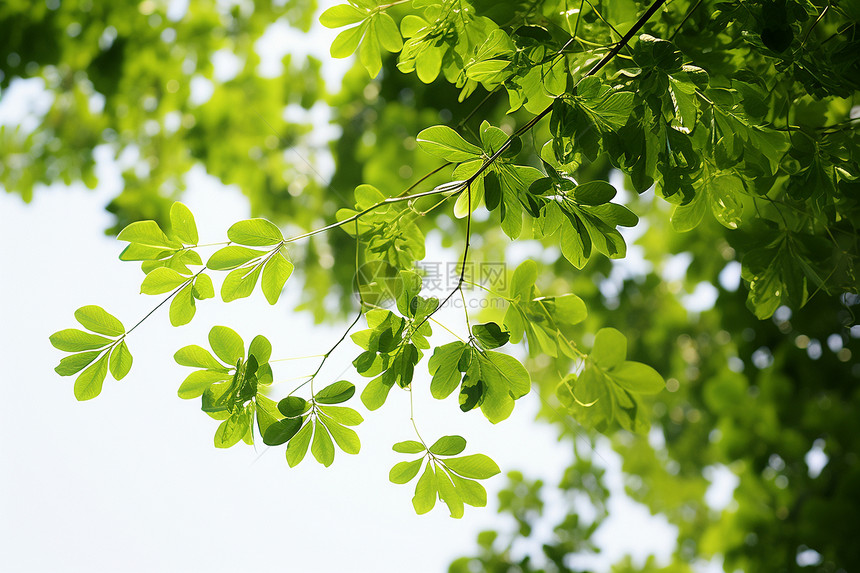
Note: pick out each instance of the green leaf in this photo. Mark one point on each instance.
(197, 357)
(470, 491)
(182, 223)
(443, 368)
(610, 348)
(183, 307)
(255, 233)
(75, 363)
(74, 340)
(203, 288)
(98, 320)
(448, 446)
(322, 447)
(449, 494)
(298, 446)
(505, 380)
(476, 466)
(281, 431)
(232, 257)
(335, 393)
(490, 335)
(404, 472)
(162, 280)
(369, 54)
(389, 35)
(226, 344)
(261, 349)
(341, 15)
(239, 283)
(147, 233)
(88, 384)
(638, 377)
(444, 142)
(593, 193)
(293, 406)
(120, 361)
(425, 491)
(230, 431)
(199, 381)
(345, 44)
(342, 415)
(345, 438)
(408, 447)
(275, 275)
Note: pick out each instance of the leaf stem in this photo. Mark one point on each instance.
(170, 296)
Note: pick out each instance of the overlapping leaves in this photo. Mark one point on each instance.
(446, 476)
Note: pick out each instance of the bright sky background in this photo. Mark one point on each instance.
(130, 481)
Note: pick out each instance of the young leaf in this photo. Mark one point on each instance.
(230, 431)
(255, 233)
(182, 307)
(444, 142)
(470, 491)
(88, 384)
(197, 357)
(425, 491)
(74, 340)
(448, 446)
(239, 283)
(610, 348)
(345, 438)
(147, 233)
(226, 344)
(231, 257)
(203, 288)
(322, 447)
(298, 446)
(120, 361)
(342, 415)
(448, 494)
(638, 377)
(275, 275)
(335, 393)
(182, 224)
(477, 466)
(75, 363)
(162, 280)
(341, 15)
(260, 348)
(404, 472)
(196, 383)
(98, 320)
(408, 447)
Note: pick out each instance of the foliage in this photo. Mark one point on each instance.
(740, 115)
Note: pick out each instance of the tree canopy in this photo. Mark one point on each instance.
(718, 136)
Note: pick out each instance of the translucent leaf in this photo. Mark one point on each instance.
(120, 361)
(345, 44)
(322, 447)
(255, 233)
(75, 363)
(162, 280)
(490, 335)
(232, 257)
(610, 348)
(88, 384)
(182, 223)
(239, 283)
(74, 340)
(341, 15)
(476, 466)
(182, 307)
(342, 415)
(197, 357)
(196, 383)
(425, 491)
(203, 288)
(230, 432)
(147, 233)
(298, 446)
(470, 491)
(275, 275)
(369, 53)
(637, 377)
(261, 349)
(98, 320)
(444, 142)
(389, 35)
(448, 494)
(448, 446)
(404, 472)
(345, 438)
(408, 447)
(226, 344)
